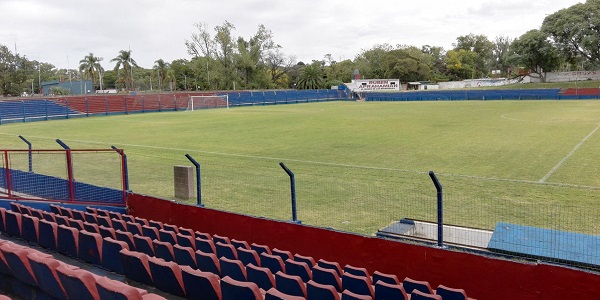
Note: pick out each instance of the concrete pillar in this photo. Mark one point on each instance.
(183, 182)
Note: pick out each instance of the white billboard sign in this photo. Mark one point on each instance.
(365, 85)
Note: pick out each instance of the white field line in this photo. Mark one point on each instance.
(326, 163)
(564, 159)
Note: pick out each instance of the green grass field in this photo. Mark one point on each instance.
(360, 166)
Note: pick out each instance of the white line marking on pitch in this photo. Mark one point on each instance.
(333, 164)
(564, 159)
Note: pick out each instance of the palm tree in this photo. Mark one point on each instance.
(311, 77)
(90, 66)
(161, 67)
(124, 60)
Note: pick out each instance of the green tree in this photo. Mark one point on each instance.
(125, 62)
(407, 64)
(460, 64)
(15, 73)
(89, 66)
(311, 77)
(437, 62)
(576, 31)
(501, 53)
(482, 47)
(161, 68)
(534, 51)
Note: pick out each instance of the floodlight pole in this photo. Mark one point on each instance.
(198, 181)
(440, 210)
(29, 153)
(293, 192)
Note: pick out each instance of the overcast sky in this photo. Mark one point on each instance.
(62, 32)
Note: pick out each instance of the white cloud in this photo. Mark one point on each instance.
(51, 31)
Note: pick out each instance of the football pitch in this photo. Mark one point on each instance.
(361, 165)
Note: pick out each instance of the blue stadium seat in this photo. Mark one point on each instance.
(163, 250)
(226, 250)
(384, 290)
(327, 276)
(67, 241)
(410, 285)
(78, 215)
(236, 290)
(348, 295)
(90, 217)
(186, 240)
(187, 232)
(233, 268)
(306, 259)
(44, 270)
(119, 224)
(91, 227)
(155, 224)
(115, 215)
(418, 295)
(357, 284)
(77, 224)
(134, 228)
(48, 234)
(260, 248)
(261, 276)
(2, 219)
(167, 276)
(330, 265)
(167, 236)
(141, 221)
(206, 246)
(112, 289)
(357, 271)
(297, 268)
(171, 227)
(107, 232)
(284, 254)
(17, 261)
(13, 223)
(126, 237)
(30, 229)
(136, 266)
(275, 294)
(104, 221)
(143, 244)
(290, 284)
(448, 293)
(387, 278)
(111, 258)
(200, 285)
(90, 247)
(223, 239)
(150, 232)
(272, 262)
(248, 257)
(317, 291)
(78, 283)
(185, 256)
(208, 262)
(240, 244)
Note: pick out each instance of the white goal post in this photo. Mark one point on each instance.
(208, 101)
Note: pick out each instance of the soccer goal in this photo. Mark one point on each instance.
(212, 101)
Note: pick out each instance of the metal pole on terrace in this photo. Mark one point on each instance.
(293, 192)
(440, 210)
(30, 156)
(198, 182)
(69, 169)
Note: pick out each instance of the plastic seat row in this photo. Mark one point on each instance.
(206, 252)
(60, 280)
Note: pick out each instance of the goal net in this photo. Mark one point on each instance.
(212, 101)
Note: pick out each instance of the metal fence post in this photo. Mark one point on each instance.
(293, 192)
(69, 169)
(440, 209)
(7, 175)
(29, 153)
(125, 166)
(198, 181)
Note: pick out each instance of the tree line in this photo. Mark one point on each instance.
(568, 39)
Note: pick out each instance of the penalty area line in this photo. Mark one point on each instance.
(564, 159)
